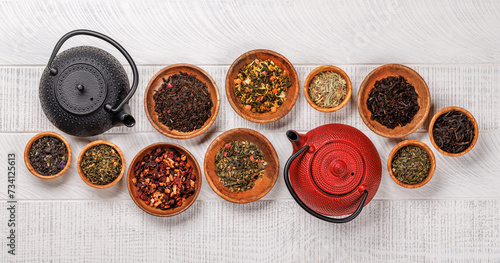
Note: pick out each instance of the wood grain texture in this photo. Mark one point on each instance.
(217, 32)
(264, 231)
(453, 45)
(473, 87)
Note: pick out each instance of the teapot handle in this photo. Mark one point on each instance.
(309, 210)
(135, 73)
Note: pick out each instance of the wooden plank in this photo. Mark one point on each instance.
(474, 175)
(473, 87)
(266, 231)
(217, 32)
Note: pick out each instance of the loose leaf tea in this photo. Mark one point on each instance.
(101, 164)
(183, 102)
(411, 164)
(453, 132)
(238, 164)
(48, 155)
(164, 179)
(261, 86)
(393, 102)
(328, 89)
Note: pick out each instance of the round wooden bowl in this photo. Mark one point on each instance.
(422, 146)
(318, 70)
(27, 159)
(471, 118)
(155, 84)
(133, 190)
(291, 95)
(262, 185)
(424, 99)
(85, 149)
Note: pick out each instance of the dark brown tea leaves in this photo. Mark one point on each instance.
(48, 155)
(393, 102)
(411, 164)
(453, 132)
(238, 164)
(101, 164)
(183, 103)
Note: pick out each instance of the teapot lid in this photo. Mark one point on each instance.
(80, 89)
(337, 167)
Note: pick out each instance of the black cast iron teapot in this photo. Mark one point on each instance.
(84, 91)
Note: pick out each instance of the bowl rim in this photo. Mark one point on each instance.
(422, 146)
(164, 213)
(86, 148)
(272, 116)
(28, 147)
(211, 176)
(211, 85)
(471, 118)
(325, 68)
(362, 104)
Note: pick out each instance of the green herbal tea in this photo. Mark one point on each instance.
(101, 164)
(328, 89)
(411, 164)
(238, 164)
(48, 155)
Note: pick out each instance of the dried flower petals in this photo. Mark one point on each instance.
(261, 86)
(164, 179)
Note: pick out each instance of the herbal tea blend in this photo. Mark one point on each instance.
(239, 164)
(101, 164)
(393, 102)
(411, 164)
(164, 179)
(183, 103)
(328, 89)
(453, 132)
(261, 86)
(48, 155)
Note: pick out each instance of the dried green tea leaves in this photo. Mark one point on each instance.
(238, 164)
(411, 164)
(101, 164)
(328, 89)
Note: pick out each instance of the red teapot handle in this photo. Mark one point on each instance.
(309, 210)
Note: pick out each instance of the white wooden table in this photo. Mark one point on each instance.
(453, 45)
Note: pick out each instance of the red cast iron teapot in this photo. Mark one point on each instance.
(335, 170)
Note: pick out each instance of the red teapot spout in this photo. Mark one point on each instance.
(298, 140)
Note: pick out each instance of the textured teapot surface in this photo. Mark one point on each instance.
(87, 78)
(333, 174)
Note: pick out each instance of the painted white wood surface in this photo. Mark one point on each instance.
(454, 45)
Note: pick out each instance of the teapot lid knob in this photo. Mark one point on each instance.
(80, 89)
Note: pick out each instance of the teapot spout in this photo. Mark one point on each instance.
(123, 117)
(298, 140)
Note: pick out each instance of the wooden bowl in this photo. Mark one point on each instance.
(291, 95)
(318, 70)
(133, 190)
(471, 118)
(422, 146)
(85, 149)
(262, 185)
(155, 84)
(27, 150)
(424, 99)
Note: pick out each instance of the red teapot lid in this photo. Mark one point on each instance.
(337, 167)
